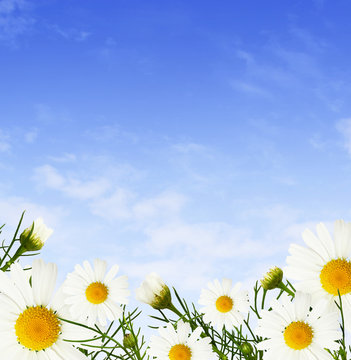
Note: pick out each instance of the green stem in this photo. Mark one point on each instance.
(344, 356)
(13, 239)
(176, 311)
(286, 289)
(193, 327)
(20, 251)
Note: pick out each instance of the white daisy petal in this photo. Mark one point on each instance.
(23, 306)
(224, 304)
(323, 267)
(303, 334)
(94, 296)
(179, 344)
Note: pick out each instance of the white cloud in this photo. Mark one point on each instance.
(244, 55)
(45, 114)
(344, 127)
(14, 20)
(251, 89)
(189, 147)
(4, 141)
(124, 204)
(111, 132)
(65, 158)
(9, 6)
(71, 33)
(114, 207)
(215, 240)
(31, 136)
(107, 199)
(12, 208)
(317, 142)
(168, 203)
(49, 177)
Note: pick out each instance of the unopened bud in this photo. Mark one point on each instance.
(33, 238)
(129, 341)
(272, 279)
(246, 348)
(155, 292)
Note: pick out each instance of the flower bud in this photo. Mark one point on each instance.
(155, 292)
(129, 341)
(272, 279)
(246, 348)
(34, 237)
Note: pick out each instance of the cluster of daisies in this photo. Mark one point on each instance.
(299, 325)
(32, 316)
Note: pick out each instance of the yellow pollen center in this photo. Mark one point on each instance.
(179, 352)
(298, 335)
(224, 304)
(336, 274)
(37, 328)
(96, 293)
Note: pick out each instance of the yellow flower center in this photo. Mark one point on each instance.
(336, 274)
(298, 335)
(179, 352)
(224, 304)
(37, 328)
(96, 293)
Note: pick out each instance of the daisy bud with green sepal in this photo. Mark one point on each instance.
(129, 341)
(246, 348)
(272, 279)
(155, 292)
(34, 237)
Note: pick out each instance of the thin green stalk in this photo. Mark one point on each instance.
(20, 251)
(13, 240)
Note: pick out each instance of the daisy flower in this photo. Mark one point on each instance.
(296, 332)
(93, 295)
(324, 267)
(224, 304)
(30, 323)
(177, 344)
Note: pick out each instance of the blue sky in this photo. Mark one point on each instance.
(196, 139)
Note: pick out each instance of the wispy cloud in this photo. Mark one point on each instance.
(30, 136)
(13, 206)
(5, 145)
(14, 20)
(107, 199)
(310, 41)
(111, 132)
(244, 55)
(71, 33)
(190, 147)
(317, 142)
(49, 177)
(65, 158)
(251, 89)
(46, 114)
(344, 128)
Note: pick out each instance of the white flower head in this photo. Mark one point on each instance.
(323, 268)
(180, 344)
(297, 332)
(30, 324)
(94, 295)
(155, 292)
(34, 237)
(224, 304)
